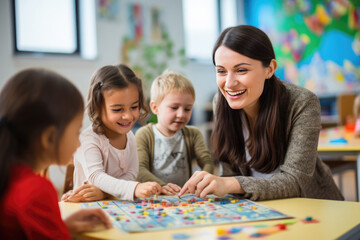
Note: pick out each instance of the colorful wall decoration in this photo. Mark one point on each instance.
(147, 46)
(108, 9)
(317, 43)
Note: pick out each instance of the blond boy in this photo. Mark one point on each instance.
(166, 149)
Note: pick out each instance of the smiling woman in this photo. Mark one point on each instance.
(266, 130)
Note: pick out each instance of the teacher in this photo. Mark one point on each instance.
(266, 130)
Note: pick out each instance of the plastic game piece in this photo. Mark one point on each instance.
(309, 219)
(180, 236)
(221, 231)
(223, 238)
(234, 230)
(282, 226)
(256, 235)
(338, 140)
(289, 222)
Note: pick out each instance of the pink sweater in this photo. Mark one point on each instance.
(112, 170)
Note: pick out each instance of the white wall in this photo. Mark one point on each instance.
(109, 37)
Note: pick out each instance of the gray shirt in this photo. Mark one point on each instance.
(170, 159)
(303, 173)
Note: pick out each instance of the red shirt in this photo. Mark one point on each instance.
(29, 208)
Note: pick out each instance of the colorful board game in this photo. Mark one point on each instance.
(169, 212)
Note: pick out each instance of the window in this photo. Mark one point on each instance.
(55, 27)
(203, 22)
(201, 27)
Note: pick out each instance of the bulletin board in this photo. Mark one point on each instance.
(316, 43)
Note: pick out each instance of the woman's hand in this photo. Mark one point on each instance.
(85, 193)
(146, 189)
(90, 219)
(170, 189)
(203, 183)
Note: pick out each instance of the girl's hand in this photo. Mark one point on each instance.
(89, 219)
(86, 193)
(203, 183)
(146, 189)
(170, 189)
(66, 195)
(357, 134)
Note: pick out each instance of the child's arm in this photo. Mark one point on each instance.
(357, 128)
(92, 163)
(87, 220)
(85, 193)
(147, 189)
(145, 148)
(131, 160)
(202, 154)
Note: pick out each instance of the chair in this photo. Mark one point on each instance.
(345, 107)
(45, 173)
(345, 103)
(68, 182)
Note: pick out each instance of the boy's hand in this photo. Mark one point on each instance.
(146, 189)
(170, 189)
(89, 219)
(85, 193)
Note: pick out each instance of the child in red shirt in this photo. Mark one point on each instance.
(40, 119)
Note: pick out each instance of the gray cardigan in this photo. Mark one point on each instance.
(303, 173)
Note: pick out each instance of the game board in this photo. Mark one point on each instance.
(169, 212)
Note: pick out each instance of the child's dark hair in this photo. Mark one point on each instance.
(111, 77)
(30, 102)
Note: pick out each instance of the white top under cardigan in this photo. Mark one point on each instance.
(110, 169)
(248, 157)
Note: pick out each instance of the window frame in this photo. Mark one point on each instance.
(18, 52)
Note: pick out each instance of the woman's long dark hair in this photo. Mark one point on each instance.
(267, 140)
(31, 101)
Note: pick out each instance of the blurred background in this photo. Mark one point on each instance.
(317, 46)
